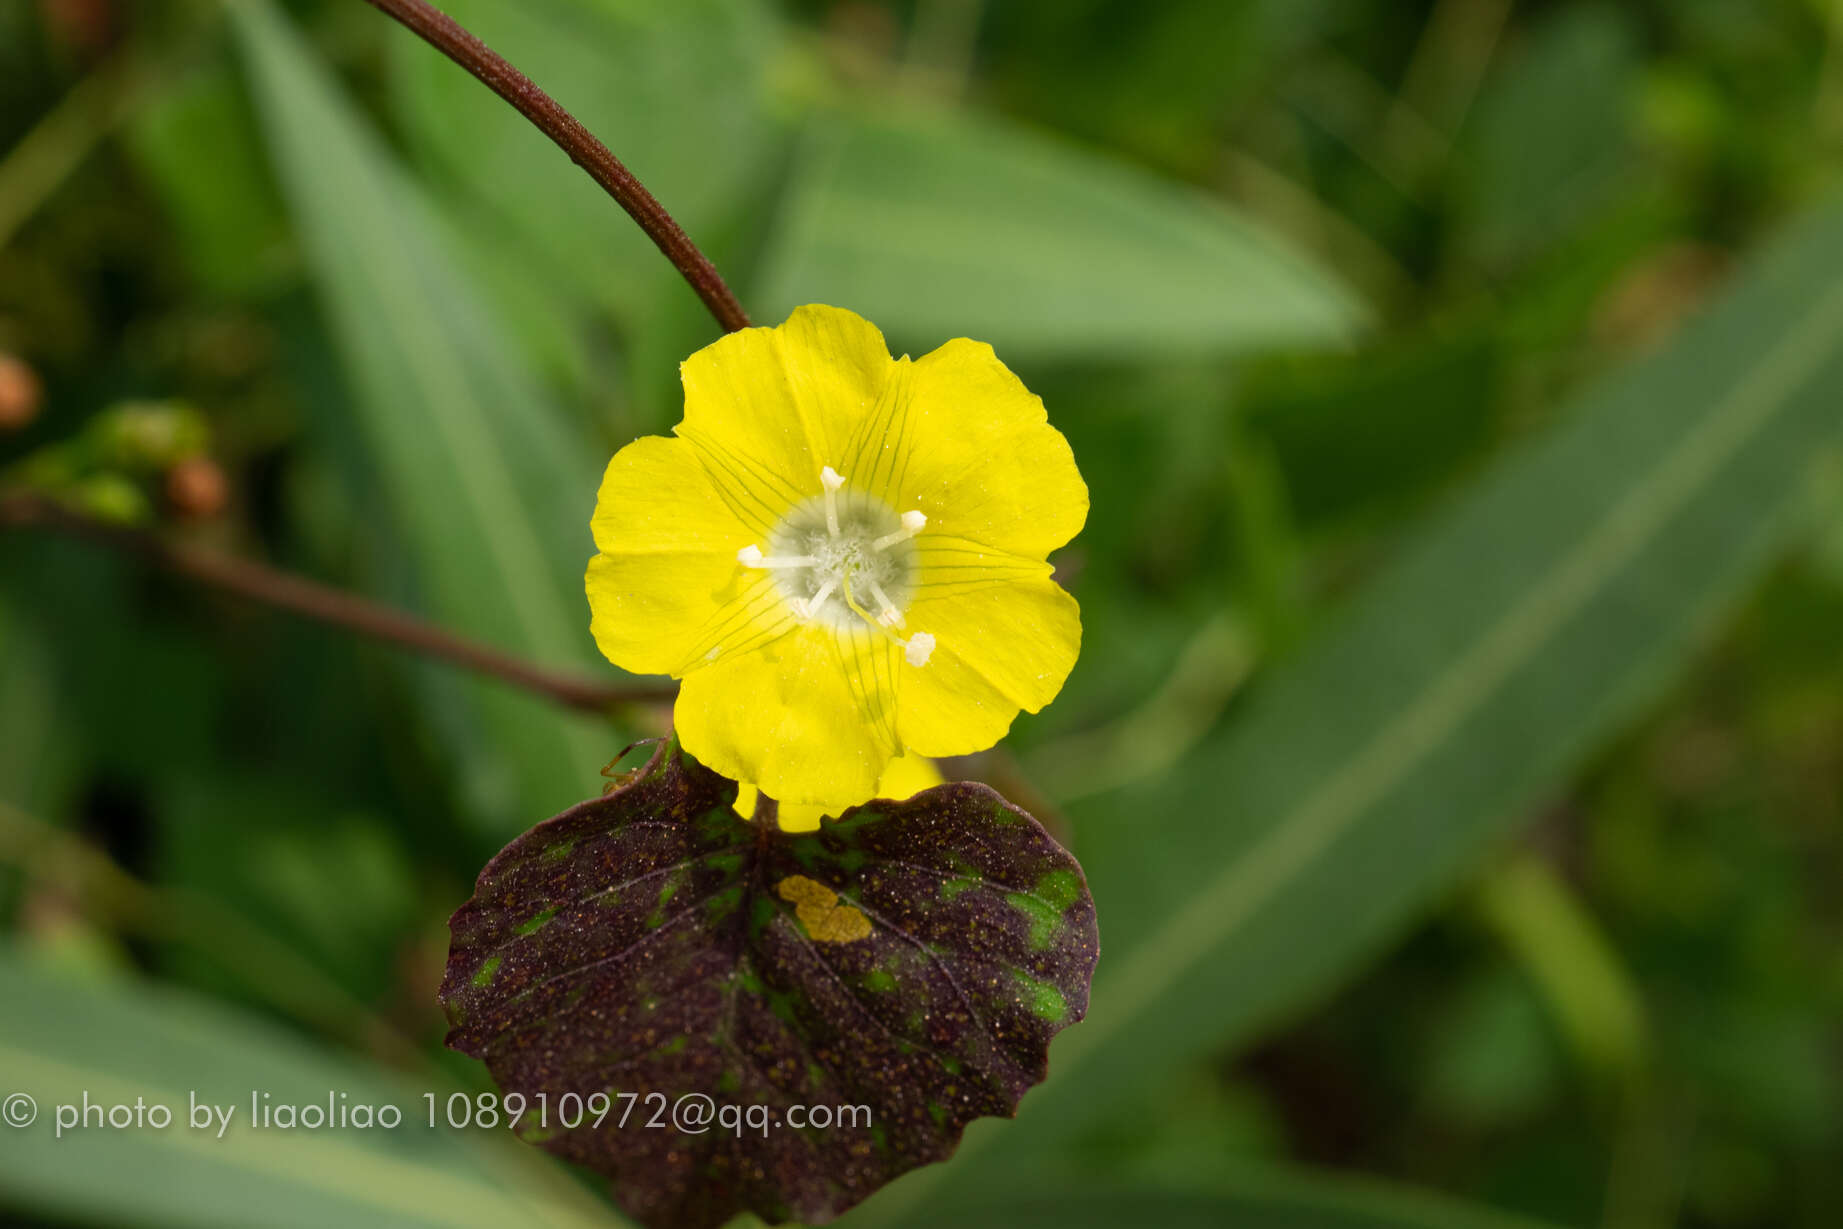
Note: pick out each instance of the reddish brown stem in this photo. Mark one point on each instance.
(312, 600)
(450, 38)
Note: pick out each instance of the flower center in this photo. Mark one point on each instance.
(845, 557)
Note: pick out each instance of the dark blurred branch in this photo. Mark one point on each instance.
(447, 36)
(312, 600)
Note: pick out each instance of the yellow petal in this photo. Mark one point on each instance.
(768, 408)
(996, 650)
(792, 717)
(655, 498)
(666, 590)
(746, 797)
(948, 565)
(965, 442)
(871, 664)
(906, 776)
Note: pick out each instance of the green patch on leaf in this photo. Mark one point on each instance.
(729, 861)
(1044, 919)
(1044, 1000)
(1060, 888)
(951, 888)
(852, 965)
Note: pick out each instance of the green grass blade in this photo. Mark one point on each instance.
(489, 489)
(1521, 628)
(936, 227)
(1258, 1199)
(677, 91)
(119, 1044)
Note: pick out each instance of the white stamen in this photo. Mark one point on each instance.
(831, 480)
(887, 614)
(807, 607)
(919, 648)
(852, 563)
(913, 522)
(751, 557)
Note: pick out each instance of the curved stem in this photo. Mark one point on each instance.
(312, 600)
(450, 38)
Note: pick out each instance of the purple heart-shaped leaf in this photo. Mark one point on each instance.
(723, 1017)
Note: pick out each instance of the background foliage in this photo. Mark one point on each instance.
(1458, 753)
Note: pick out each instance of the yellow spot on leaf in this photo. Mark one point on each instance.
(818, 909)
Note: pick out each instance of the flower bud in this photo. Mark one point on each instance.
(112, 498)
(148, 435)
(196, 488)
(21, 394)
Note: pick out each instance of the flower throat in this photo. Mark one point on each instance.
(846, 559)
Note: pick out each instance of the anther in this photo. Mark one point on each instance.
(913, 522)
(915, 650)
(887, 614)
(751, 557)
(831, 480)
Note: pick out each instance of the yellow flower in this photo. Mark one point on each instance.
(841, 554)
(906, 776)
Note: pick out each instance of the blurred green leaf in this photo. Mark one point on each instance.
(1252, 1199)
(1491, 1055)
(336, 886)
(123, 1043)
(1829, 553)
(1524, 625)
(36, 758)
(197, 141)
(490, 491)
(1151, 79)
(1552, 135)
(938, 226)
(551, 329)
(675, 90)
(1564, 952)
(1354, 433)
